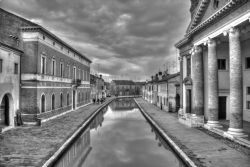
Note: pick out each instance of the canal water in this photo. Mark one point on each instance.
(119, 136)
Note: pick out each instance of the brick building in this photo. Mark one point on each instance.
(215, 63)
(54, 76)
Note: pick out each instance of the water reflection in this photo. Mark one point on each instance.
(120, 136)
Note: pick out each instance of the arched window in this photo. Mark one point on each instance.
(61, 100)
(43, 103)
(53, 102)
(68, 99)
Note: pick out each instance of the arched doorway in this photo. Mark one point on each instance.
(43, 103)
(188, 91)
(4, 111)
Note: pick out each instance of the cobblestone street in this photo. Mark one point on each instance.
(32, 146)
(201, 147)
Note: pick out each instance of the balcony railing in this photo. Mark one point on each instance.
(76, 82)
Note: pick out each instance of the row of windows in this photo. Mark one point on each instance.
(222, 65)
(15, 67)
(81, 98)
(62, 48)
(82, 74)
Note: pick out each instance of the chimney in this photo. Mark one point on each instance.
(160, 75)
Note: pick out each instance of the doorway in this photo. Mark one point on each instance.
(222, 107)
(4, 111)
(188, 100)
(177, 102)
(74, 99)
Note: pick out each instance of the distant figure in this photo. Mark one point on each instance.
(161, 106)
(94, 100)
(19, 120)
(98, 100)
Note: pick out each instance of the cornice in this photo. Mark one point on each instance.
(43, 30)
(217, 15)
(199, 13)
(229, 6)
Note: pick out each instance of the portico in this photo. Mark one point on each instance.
(219, 49)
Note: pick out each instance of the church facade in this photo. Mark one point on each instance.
(215, 64)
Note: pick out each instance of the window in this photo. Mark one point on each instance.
(61, 69)
(43, 37)
(53, 67)
(216, 4)
(79, 97)
(68, 99)
(61, 100)
(43, 103)
(15, 68)
(43, 65)
(248, 105)
(53, 102)
(247, 62)
(222, 64)
(54, 43)
(248, 90)
(188, 66)
(74, 73)
(1, 65)
(79, 74)
(82, 74)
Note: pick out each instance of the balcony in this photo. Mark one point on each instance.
(76, 82)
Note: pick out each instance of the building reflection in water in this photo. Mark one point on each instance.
(77, 152)
(123, 105)
(81, 148)
(161, 142)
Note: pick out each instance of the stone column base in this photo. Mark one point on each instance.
(212, 124)
(234, 133)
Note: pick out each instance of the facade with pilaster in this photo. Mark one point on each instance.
(215, 63)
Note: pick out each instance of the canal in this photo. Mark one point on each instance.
(119, 136)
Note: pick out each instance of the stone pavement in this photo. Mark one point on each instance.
(32, 146)
(203, 149)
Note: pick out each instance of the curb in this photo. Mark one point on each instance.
(174, 146)
(52, 160)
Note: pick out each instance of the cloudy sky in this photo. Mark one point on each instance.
(124, 38)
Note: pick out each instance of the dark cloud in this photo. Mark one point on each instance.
(122, 37)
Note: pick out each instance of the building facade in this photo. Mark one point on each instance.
(98, 90)
(163, 91)
(9, 85)
(123, 88)
(54, 76)
(215, 63)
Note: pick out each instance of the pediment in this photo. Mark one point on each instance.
(204, 10)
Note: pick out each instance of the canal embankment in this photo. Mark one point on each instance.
(194, 146)
(39, 145)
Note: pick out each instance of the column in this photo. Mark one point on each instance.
(212, 85)
(198, 85)
(236, 89)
